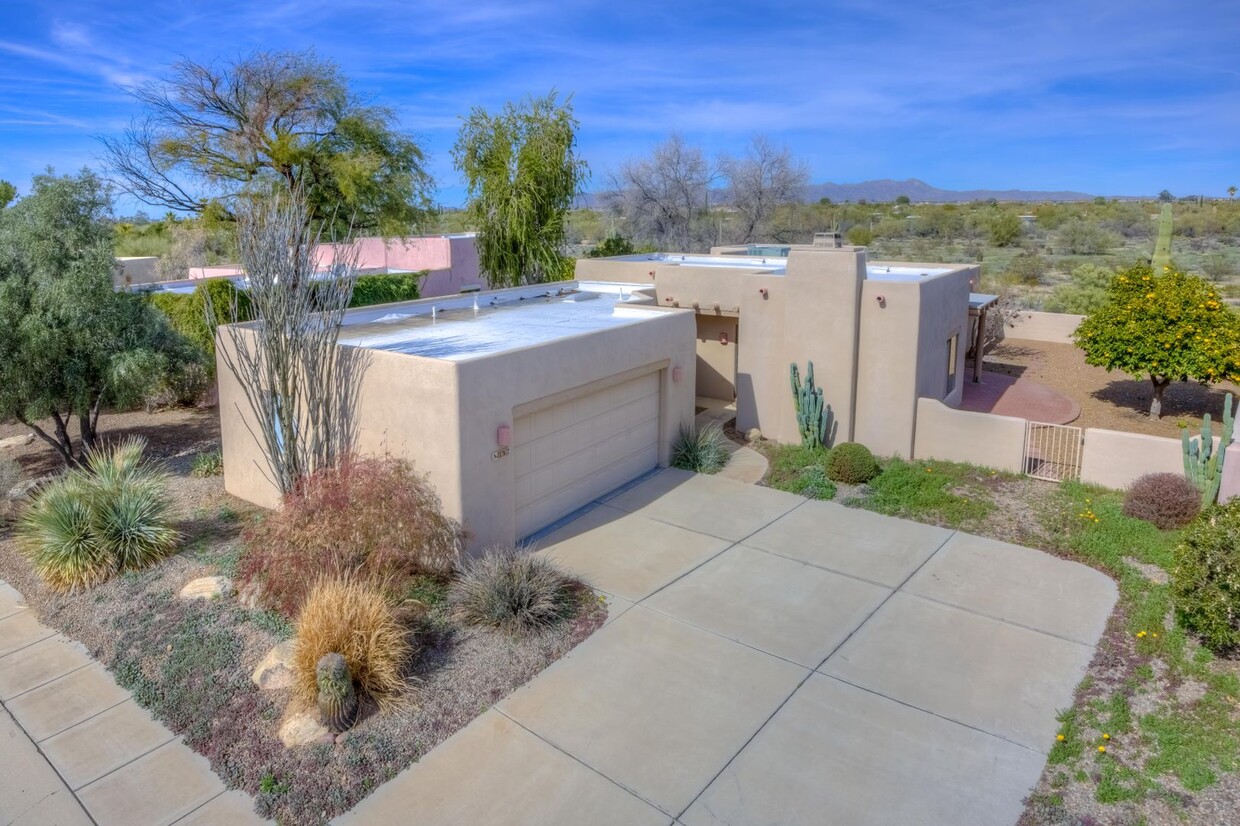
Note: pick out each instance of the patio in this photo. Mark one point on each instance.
(768, 659)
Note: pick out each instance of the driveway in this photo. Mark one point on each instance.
(771, 659)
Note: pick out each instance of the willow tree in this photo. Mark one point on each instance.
(523, 174)
(271, 121)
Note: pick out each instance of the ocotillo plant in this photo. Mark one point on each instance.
(1203, 465)
(813, 414)
(1162, 249)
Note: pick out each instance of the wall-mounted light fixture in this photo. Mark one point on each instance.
(678, 373)
(723, 339)
(503, 436)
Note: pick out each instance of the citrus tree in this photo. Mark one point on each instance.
(1166, 326)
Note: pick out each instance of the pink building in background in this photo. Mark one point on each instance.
(451, 261)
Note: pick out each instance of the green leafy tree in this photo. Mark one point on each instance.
(902, 199)
(1082, 237)
(7, 193)
(523, 173)
(272, 121)
(1165, 326)
(1165, 196)
(612, 245)
(1004, 229)
(69, 343)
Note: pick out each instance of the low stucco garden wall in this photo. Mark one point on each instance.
(1056, 328)
(964, 436)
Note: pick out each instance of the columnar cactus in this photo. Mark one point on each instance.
(337, 699)
(813, 414)
(1203, 465)
(1162, 248)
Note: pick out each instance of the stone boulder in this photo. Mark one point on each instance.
(207, 587)
(16, 441)
(276, 669)
(302, 728)
(753, 435)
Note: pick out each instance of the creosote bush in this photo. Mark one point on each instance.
(374, 519)
(1166, 500)
(92, 522)
(851, 463)
(354, 619)
(1205, 580)
(511, 589)
(701, 449)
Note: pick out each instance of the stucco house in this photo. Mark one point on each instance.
(524, 405)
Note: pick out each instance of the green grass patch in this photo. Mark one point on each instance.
(1195, 744)
(942, 493)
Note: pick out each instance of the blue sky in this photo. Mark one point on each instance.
(1104, 96)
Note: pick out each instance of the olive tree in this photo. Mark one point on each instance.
(523, 174)
(69, 343)
(271, 121)
(1166, 326)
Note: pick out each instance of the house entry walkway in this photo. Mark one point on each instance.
(770, 659)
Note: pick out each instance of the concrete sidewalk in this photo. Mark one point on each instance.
(76, 749)
(771, 659)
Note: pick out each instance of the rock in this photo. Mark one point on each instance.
(302, 728)
(249, 597)
(276, 669)
(207, 587)
(16, 441)
(753, 435)
(1153, 573)
(23, 490)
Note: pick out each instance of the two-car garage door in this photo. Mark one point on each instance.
(572, 452)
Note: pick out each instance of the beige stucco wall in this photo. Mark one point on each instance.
(964, 436)
(1230, 487)
(762, 363)
(1056, 328)
(1115, 460)
(131, 270)
(444, 415)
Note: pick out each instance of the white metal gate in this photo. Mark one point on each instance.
(1052, 451)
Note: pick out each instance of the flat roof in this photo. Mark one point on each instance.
(778, 265)
(458, 328)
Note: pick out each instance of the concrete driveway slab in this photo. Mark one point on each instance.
(778, 605)
(40, 663)
(518, 777)
(998, 677)
(229, 809)
(625, 554)
(11, 600)
(655, 705)
(1020, 585)
(706, 504)
(160, 788)
(881, 549)
(104, 743)
(31, 793)
(837, 754)
(19, 630)
(65, 702)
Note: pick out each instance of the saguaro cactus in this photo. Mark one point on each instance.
(337, 699)
(1203, 465)
(1162, 248)
(813, 414)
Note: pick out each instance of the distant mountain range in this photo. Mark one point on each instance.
(920, 191)
(888, 190)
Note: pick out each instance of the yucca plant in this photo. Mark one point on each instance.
(57, 537)
(112, 515)
(700, 449)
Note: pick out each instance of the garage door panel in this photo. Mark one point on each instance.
(578, 450)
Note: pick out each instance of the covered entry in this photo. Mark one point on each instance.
(573, 448)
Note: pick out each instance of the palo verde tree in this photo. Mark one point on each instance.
(1166, 326)
(70, 343)
(279, 121)
(523, 173)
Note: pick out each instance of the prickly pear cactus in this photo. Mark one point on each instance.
(337, 699)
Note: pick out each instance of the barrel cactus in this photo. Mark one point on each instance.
(337, 699)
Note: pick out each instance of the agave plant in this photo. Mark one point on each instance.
(112, 515)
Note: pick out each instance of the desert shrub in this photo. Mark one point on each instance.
(1205, 579)
(352, 618)
(812, 482)
(187, 313)
(1027, 268)
(1166, 500)
(112, 515)
(700, 449)
(209, 463)
(851, 463)
(385, 289)
(375, 519)
(511, 589)
(860, 236)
